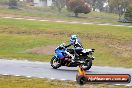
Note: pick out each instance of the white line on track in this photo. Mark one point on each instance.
(87, 23)
(43, 20)
(63, 79)
(5, 74)
(103, 24)
(117, 84)
(7, 17)
(28, 76)
(41, 77)
(118, 25)
(60, 21)
(52, 78)
(74, 22)
(18, 18)
(17, 75)
(31, 19)
(128, 85)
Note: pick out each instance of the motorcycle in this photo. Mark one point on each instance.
(83, 57)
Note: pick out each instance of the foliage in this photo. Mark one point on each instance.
(59, 4)
(97, 4)
(78, 6)
(13, 4)
(4, 1)
(118, 6)
(128, 13)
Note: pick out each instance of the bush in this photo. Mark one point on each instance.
(78, 6)
(13, 4)
(128, 13)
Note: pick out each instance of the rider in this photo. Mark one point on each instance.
(77, 45)
(73, 41)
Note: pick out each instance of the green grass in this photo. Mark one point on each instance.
(112, 44)
(3, 1)
(15, 45)
(51, 13)
(22, 82)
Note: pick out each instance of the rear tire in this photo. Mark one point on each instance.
(88, 65)
(55, 62)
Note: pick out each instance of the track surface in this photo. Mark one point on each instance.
(44, 70)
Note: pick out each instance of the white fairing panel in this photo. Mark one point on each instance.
(86, 50)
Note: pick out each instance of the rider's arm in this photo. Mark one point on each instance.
(68, 45)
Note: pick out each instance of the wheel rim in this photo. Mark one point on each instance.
(55, 62)
(85, 65)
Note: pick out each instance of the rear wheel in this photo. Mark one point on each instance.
(87, 65)
(55, 62)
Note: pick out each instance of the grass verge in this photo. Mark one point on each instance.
(51, 13)
(22, 82)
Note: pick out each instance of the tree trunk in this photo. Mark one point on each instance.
(76, 14)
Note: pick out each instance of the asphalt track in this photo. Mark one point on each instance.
(44, 70)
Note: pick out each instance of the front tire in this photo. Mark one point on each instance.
(88, 65)
(55, 62)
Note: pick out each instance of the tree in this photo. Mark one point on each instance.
(59, 4)
(97, 4)
(78, 6)
(118, 6)
(13, 4)
(128, 13)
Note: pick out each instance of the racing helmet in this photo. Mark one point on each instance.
(73, 39)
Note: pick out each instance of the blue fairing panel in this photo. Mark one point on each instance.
(59, 53)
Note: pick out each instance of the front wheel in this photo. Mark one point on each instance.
(87, 65)
(55, 62)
